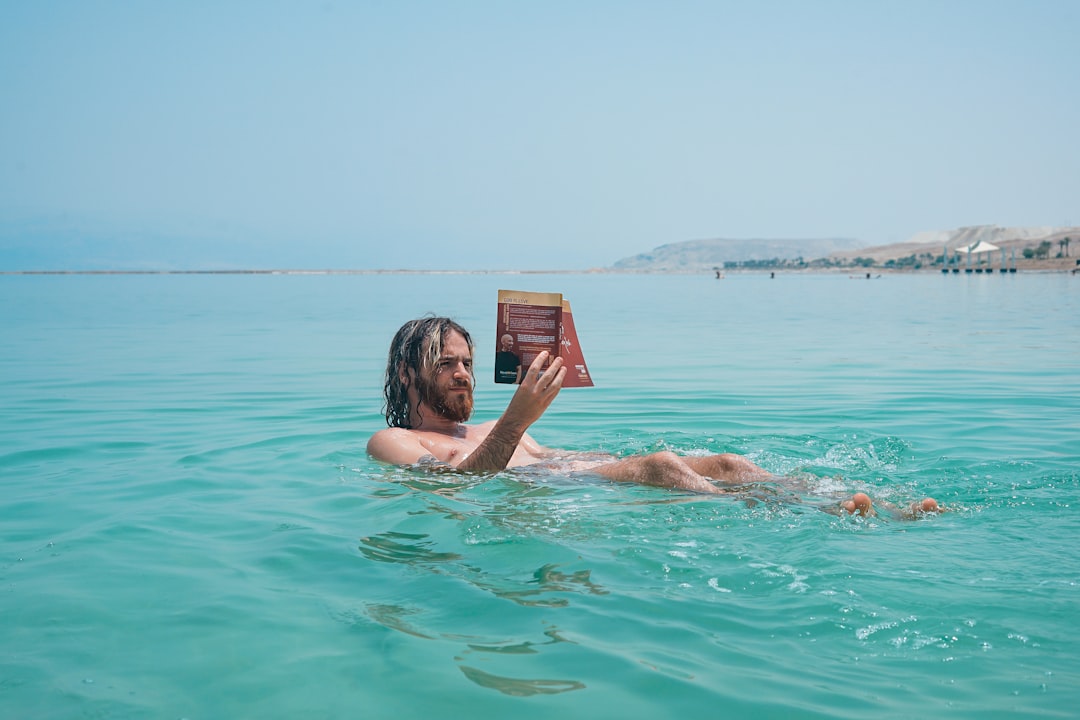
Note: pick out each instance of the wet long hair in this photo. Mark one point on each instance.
(417, 345)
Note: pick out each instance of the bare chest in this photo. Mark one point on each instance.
(454, 449)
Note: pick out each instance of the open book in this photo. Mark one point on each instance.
(528, 324)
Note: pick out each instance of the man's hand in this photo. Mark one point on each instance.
(536, 392)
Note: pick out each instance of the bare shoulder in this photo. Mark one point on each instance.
(396, 445)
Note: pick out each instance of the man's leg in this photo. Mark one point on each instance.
(662, 469)
(666, 469)
(728, 468)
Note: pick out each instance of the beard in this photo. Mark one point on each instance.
(448, 403)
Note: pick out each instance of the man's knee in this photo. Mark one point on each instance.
(664, 461)
(726, 467)
(731, 461)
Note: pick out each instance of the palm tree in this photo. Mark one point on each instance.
(1066, 247)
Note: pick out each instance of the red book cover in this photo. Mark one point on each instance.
(529, 323)
(577, 374)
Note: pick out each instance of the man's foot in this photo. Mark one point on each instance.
(923, 507)
(859, 504)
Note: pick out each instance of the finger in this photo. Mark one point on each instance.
(536, 368)
(554, 369)
(549, 381)
(557, 379)
(539, 360)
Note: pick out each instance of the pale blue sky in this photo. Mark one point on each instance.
(522, 135)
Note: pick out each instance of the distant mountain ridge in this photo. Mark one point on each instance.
(704, 255)
(987, 233)
(1007, 238)
(697, 255)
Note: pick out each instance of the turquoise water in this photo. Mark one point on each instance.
(191, 527)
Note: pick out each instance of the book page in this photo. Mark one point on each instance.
(528, 324)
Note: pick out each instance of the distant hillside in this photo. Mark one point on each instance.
(933, 242)
(703, 255)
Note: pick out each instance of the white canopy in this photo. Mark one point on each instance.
(979, 247)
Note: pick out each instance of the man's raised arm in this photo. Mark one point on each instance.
(535, 393)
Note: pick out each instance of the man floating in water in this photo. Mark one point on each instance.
(429, 397)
